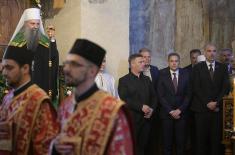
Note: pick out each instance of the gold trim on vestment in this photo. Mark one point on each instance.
(90, 113)
(27, 105)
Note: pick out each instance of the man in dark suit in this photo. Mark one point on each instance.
(190, 145)
(149, 70)
(154, 144)
(210, 83)
(137, 91)
(174, 95)
(226, 57)
(194, 53)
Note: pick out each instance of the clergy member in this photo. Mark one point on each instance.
(27, 119)
(30, 33)
(92, 121)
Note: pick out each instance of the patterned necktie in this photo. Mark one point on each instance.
(211, 71)
(175, 81)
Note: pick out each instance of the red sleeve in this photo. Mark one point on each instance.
(45, 129)
(121, 142)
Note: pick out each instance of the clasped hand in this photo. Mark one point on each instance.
(175, 113)
(147, 111)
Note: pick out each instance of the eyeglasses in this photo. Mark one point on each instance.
(73, 64)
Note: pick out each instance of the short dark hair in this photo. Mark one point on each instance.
(226, 49)
(195, 51)
(173, 54)
(144, 49)
(133, 57)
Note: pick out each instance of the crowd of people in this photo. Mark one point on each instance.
(153, 111)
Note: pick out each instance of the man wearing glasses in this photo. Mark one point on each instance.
(92, 121)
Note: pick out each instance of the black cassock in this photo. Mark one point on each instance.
(42, 75)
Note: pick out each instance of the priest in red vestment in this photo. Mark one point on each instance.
(92, 121)
(27, 119)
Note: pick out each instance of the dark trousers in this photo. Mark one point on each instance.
(190, 134)
(208, 133)
(171, 128)
(154, 145)
(141, 137)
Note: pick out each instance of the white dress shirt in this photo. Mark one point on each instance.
(208, 65)
(176, 72)
(106, 82)
(147, 72)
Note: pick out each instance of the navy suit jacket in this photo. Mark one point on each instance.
(155, 75)
(169, 99)
(189, 68)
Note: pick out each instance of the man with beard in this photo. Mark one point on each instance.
(30, 33)
(3, 87)
(92, 121)
(27, 119)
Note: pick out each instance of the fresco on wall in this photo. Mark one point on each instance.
(166, 26)
(222, 22)
(152, 26)
(139, 24)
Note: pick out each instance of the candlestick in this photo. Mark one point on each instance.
(234, 104)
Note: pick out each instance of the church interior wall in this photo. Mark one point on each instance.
(104, 22)
(170, 26)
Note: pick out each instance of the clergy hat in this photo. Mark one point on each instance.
(88, 50)
(29, 14)
(19, 54)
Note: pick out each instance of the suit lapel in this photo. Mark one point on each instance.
(205, 67)
(153, 73)
(216, 72)
(180, 79)
(170, 83)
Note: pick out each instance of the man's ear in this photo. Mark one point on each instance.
(93, 71)
(26, 68)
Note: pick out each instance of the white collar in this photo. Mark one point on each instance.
(177, 72)
(208, 63)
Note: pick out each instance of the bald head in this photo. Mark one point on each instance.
(210, 52)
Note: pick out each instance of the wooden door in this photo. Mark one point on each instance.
(10, 13)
